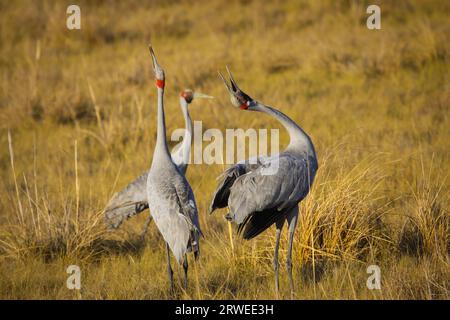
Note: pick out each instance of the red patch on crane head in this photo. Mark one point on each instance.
(160, 83)
(188, 95)
(244, 106)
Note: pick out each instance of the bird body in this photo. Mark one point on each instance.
(257, 198)
(170, 197)
(264, 191)
(164, 188)
(172, 204)
(269, 186)
(173, 209)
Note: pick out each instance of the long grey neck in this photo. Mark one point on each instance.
(161, 149)
(300, 142)
(187, 139)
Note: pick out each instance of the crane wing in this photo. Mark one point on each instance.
(128, 202)
(132, 199)
(175, 214)
(187, 203)
(228, 177)
(260, 197)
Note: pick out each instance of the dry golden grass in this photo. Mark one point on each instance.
(78, 123)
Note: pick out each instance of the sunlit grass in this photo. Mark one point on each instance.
(77, 123)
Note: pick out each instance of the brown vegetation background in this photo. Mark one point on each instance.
(77, 123)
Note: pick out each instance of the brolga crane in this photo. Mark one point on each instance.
(267, 191)
(132, 199)
(170, 197)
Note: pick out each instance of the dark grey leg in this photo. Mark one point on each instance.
(169, 268)
(279, 226)
(292, 217)
(185, 268)
(147, 223)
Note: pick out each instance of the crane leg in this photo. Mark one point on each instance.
(169, 268)
(292, 217)
(147, 223)
(279, 226)
(185, 268)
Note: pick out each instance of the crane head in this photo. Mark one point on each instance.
(239, 98)
(159, 72)
(190, 95)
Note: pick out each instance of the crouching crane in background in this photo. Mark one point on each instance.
(268, 190)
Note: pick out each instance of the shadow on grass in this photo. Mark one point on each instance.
(313, 273)
(96, 250)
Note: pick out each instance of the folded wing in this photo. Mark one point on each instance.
(260, 195)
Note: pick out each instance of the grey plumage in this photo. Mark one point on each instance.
(174, 211)
(170, 197)
(250, 193)
(127, 202)
(267, 190)
(164, 189)
(132, 199)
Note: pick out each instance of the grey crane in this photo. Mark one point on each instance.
(170, 197)
(132, 199)
(267, 190)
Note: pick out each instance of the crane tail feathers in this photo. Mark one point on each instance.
(258, 222)
(115, 215)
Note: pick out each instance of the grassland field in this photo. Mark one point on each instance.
(77, 123)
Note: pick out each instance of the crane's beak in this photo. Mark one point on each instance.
(159, 72)
(230, 90)
(152, 53)
(198, 95)
(238, 97)
(234, 86)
